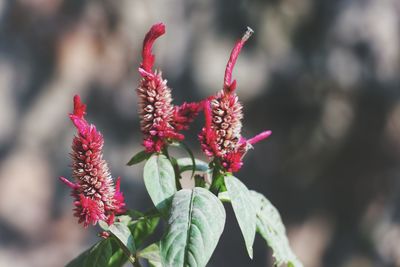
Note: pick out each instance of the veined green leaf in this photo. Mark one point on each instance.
(244, 209)
(195, 224)
(122, 232)
(143, 228)
(96, 256)
(152, 254)
(159, 179)
(139, 157)
(271, 228)
(118, 258)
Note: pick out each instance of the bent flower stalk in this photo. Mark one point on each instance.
(95, 196)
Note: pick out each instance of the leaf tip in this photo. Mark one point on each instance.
(250, 252)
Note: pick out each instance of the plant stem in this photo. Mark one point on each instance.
(176, 168)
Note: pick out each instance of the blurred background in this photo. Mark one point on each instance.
(322, 75)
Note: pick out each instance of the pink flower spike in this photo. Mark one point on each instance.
(259, 137)
(95, 197)
(148, 58)
(230, 86)
(160, 120)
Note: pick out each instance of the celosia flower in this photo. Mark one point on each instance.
(221, 137)
(94, 193)
(160, 120)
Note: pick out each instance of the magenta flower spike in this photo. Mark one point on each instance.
(161, 121)
(95, 196)
(221, 137)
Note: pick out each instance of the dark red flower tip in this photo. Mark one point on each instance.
(229, 85)
(148, 58)
(78, 115)
(79, 107)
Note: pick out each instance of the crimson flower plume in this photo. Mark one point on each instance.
(95, 196)
(221, 137)
(161, 121)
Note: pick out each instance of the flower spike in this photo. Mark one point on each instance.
(95, 196)
(221, 137)
(161, 121)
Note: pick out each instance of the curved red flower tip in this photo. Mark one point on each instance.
(230, 86)
(148, 58)
(77, 117)
(93, 190)
(79, 107)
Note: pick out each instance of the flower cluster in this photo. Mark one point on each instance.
(95, 196)
(161, 121)
(221, 137)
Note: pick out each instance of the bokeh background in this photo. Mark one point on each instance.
(323, 75)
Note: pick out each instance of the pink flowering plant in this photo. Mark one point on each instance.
(194, 217)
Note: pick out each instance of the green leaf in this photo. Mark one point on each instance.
(195, 224)
(271, 228)
(152, 254)
(123, 234)
(139, 157)
(186, 164)
(143, 228)
(97, 256)
(103, 225)
(118, 258)
(244, 210)
(159, 179)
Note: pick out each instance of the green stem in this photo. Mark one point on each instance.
(176, 168)
(128, 254)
